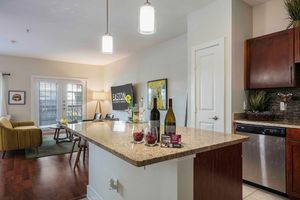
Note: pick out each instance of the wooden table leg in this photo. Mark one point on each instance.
(54, 137)
(57, 135)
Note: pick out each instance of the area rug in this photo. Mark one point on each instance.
(50, 148)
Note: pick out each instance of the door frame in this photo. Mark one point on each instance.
(34, 111)
(219, 42)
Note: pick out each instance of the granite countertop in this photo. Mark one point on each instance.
(277, 123)
(116, 138)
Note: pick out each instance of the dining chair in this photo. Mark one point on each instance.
(82, 147)
(76, 140)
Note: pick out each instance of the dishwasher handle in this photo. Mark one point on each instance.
(261, 130)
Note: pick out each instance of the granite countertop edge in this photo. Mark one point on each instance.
(143, 163)
(282, 124)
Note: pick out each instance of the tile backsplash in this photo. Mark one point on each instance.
(293, 106)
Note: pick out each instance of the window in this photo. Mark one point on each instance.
(74, 102)
(58, 98)
(47, 103)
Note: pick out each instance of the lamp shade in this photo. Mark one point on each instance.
(107, 44)
(147, 19)
(98, 96)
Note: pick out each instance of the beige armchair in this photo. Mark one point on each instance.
(18, 135)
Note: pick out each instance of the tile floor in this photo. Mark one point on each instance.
(253, 193)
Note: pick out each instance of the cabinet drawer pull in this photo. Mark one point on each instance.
(291, 74)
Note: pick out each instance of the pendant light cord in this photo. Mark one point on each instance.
(107, 16)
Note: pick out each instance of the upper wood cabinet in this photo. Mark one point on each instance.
(297, 45)
(270, 61)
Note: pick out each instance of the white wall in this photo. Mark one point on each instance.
(269, 17)
(208, 24)
(166, 60)
(234, 22)
(241, 31)
(171, 59)
(22, 69)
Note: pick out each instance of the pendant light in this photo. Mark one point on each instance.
(107, 39)
(147, 19)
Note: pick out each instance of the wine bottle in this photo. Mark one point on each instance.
(170, 120)
(155, 119)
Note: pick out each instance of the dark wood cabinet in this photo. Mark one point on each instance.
(297, 45)
(293, 163)
(218, 174)
(270, 61)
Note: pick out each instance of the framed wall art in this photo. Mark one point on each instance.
(16, 97)
(158, 89)
(118, 94)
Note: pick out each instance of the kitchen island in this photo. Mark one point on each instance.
(209, 166)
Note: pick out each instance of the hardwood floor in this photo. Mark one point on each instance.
(47, 178)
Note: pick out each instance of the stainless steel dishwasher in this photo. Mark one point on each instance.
(264, 156)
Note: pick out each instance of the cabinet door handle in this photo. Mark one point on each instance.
(291, 74)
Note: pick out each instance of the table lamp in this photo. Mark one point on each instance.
(99, 96)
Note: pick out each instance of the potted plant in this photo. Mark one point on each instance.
(257, 101)
(293, 8)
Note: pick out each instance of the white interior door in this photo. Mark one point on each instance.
(209, 86)
(57, 98)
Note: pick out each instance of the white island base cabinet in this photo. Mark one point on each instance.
(208, 167)
(168, 180)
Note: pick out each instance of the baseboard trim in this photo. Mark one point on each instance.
(92, 194)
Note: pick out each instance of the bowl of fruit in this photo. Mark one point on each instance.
(151, 139)
(138, 137)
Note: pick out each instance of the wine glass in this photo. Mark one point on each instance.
(138, 133)
(151, 137)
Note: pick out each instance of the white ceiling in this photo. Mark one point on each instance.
(70, 30)
(255, 2)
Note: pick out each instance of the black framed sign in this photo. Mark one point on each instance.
(158, 89)
(16, 97)
(118, 94)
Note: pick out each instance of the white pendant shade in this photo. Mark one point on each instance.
(147, 19)
(107, 44)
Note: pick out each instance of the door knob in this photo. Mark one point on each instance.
(214, 118)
